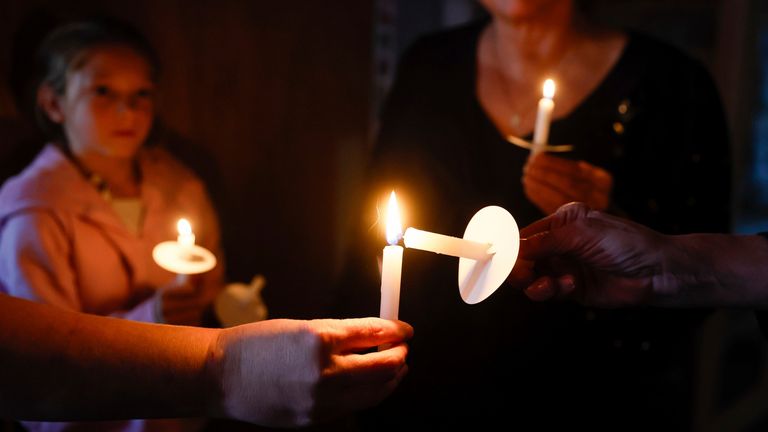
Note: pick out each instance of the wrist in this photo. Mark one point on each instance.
(713, 270)
(672, 274)
(157, 308)
(214, 374)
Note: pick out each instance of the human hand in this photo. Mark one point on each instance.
(550, 181)
(185, 300)
(589, 256)
(294, 373)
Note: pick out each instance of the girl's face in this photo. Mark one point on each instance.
(107, 106)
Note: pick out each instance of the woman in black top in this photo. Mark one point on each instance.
(648, 119)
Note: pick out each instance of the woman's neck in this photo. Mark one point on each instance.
(534, 46)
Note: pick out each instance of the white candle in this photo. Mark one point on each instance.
(544, 117)
(183, 256)
(186, 240)
(447, 245)
(186, 237)
(392, 263)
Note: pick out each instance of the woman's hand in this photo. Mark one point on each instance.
(591, 257)
(294, 373)
(550, 182)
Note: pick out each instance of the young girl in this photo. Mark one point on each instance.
(78, 225)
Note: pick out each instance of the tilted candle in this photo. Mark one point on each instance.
(447, 245)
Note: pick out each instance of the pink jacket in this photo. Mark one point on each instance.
(61, 243)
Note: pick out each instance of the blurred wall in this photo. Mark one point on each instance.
(261, 98)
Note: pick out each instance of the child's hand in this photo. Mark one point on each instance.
(184, 301)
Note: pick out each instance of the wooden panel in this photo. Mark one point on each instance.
(265, 94)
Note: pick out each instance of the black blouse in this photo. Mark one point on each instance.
(656, 124)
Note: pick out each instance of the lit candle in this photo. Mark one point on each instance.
(392, 263)
(183, 256)
(447, 245)
(544, 117)
(186, 241)
(186, 237)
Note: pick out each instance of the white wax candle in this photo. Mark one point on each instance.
(391, 264)
(186, 237)
(544, 117)
(186, 240)
(391, 268)
(446, 245)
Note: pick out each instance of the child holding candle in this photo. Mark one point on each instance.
(78, 225)
(650, 143)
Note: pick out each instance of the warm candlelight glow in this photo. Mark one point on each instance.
(186, 237)
(549, 89)
(543, 117)
(394, 226)
(391, 263)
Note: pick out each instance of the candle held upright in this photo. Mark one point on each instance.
(392, 263)
(183, 256)
(186, 238)
(544, 117)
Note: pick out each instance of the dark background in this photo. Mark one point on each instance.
(274, 104)
(262, 98)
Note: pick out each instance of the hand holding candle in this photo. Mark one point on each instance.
(544, 117)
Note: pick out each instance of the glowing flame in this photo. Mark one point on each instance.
(186, 237)
(549, 89)
(184, 227)
(394, 226)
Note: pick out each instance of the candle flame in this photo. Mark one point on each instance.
(394, 226)
(184, 227)
(549, 89)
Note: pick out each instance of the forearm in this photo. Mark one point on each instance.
(147, 311)
(58, 365)
(713, 270)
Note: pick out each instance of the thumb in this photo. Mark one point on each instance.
(557, 241)
(555, 234)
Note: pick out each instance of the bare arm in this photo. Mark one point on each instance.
(714, 270)
(606, 261)
(60, 365)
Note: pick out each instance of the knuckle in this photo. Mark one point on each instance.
(372, 328)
